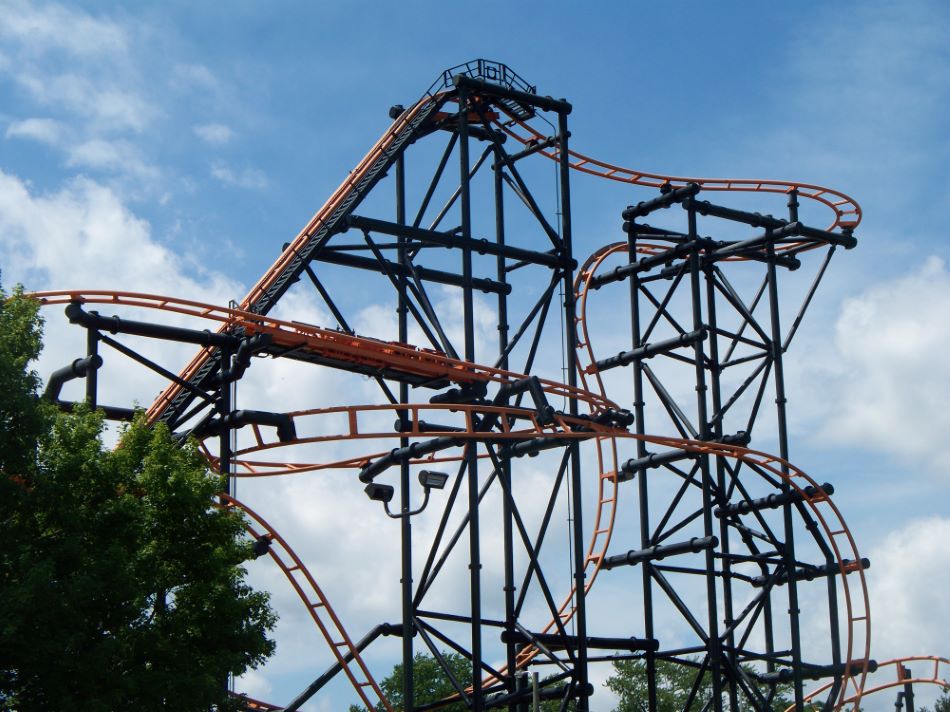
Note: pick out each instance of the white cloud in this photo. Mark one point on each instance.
(254, 685)
(55, 27)
(83, 236)
(194, 76)
(885, 381)
(215, 134)
(248, 178)
(48, 131)
(97, 99)
(908, 582)
(118, 156)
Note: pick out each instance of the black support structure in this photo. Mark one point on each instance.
(518, 462)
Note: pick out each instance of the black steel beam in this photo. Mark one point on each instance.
(625, 358)
(445, 239)
(658, 552)
(647, 263)
(811, 573)
(315, 686)
(816, 672)
(415, 450)
(551, 640)
(665, 200)
(772, 501)
(111, 412)
(115, 325)
(479, 86)
(633, 466)
(488, 286)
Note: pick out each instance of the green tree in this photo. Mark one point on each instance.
(941, 705)
(430, 683)
(674, 682)
(121, 584)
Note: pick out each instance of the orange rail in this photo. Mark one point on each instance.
(371, 352)
(345, 652)
(939, 675)
(358, 350)
(838, 536)
(302, 335)
(846, 210)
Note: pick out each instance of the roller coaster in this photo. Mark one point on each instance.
(486, 397)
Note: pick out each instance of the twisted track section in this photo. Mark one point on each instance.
(250, 318)
(344, 346)
(827, 514)
(846, 210)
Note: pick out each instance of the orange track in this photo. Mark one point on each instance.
(857, 606)
(846, 210)
(940, 675)
(319, 609)
(366, 351)
(295, 334)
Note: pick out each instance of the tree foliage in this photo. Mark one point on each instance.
(941, 705)
(431, 683)
(674, 684)
(121, 584)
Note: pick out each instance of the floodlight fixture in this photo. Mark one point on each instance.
(379, 493)
(430, 479)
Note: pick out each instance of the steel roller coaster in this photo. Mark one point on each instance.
(716, 555)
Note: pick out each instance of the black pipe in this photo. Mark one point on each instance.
(424, 426)
(79, 368)
(650, 460)
(648, 350)
(114, 325)
(532, 148)
(444, 239)
(480, 86)
(286, 431)
(316, 685)
(816, 672)
(376, 468)
(489, 286)
(553, 640)
(811, 573)
(111, 412)
(660, 551)
(772, 501)
(646, 263)
(668, 197)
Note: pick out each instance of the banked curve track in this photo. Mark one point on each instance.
(847, 212)
(344, 346)
(251, 316)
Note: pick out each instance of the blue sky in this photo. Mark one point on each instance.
(174, 147)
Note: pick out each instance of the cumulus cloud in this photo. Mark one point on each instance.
(48, 131)
(96, 99)
(83, 235)
(887, 372)
(114, 156)
(55, 27)
(248, 178)
(908, 582)
(215, 134)
(194, 76)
